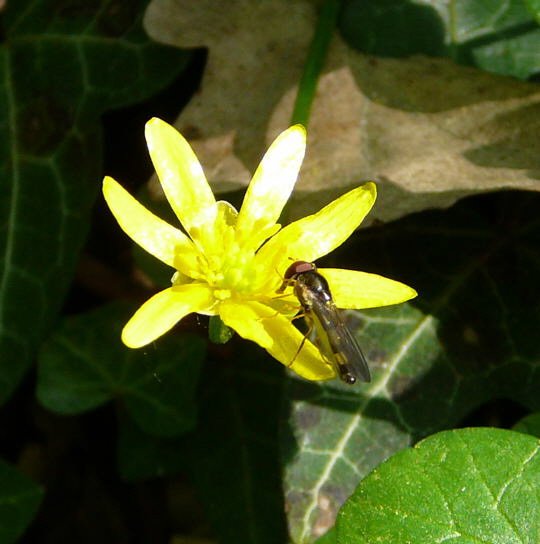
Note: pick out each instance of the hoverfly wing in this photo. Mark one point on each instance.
(338, 344)
(349, 353)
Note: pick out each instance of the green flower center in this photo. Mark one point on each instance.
(235, 271)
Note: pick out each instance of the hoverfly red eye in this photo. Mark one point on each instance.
(298, 267)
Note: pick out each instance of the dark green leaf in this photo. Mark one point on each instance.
(233, 455)
(19, 501)
(469, 339)
(142, 456)
(529, 425)
(393, 27)
(84, 364)
(63, 64)
(499, 36)
(514, 55)
(466, 486)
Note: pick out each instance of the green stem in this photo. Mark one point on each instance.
(315, 60)
(218, 332)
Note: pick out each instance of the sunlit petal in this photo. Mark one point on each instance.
(226, 213)
(316, 235)
(277, 335)
(271, 187)
(160, 313)
(156, 236)
(357, 290)
(223, 238)
(182, 179)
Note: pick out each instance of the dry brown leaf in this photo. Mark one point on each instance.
(428, 131)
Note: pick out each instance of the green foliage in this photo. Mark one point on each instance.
(142, 456)
(263, 449)
(466, 485)
(233, 457)
(467, 340)
(84, 364)
(63, 64)
(529, 425)
(19, 501)
(495, 35)
(534, 7)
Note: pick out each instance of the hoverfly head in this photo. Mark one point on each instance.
(293, 271)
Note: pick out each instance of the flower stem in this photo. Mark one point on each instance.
(315, 60)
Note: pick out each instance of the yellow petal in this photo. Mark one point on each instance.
(182, 179)
(161, 312)
(354, 289)
(316, 235)
(156, 236)
(225, 220)
(277, 335)
(271, 187)
(226, 214)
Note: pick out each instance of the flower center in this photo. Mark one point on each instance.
(234, 271)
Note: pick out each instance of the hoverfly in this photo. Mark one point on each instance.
(333, 338)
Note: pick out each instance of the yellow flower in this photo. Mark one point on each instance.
(231, 263)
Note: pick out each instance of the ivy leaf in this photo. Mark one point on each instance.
(468, 339)
(497, 36)
(233, 456)
(142, 456)
(63, 64)
(529, 425)
(83, 365)
(466, 485)
(19, 501)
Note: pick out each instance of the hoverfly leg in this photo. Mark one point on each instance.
(301, 343)
(282, 295)
(286, 283)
